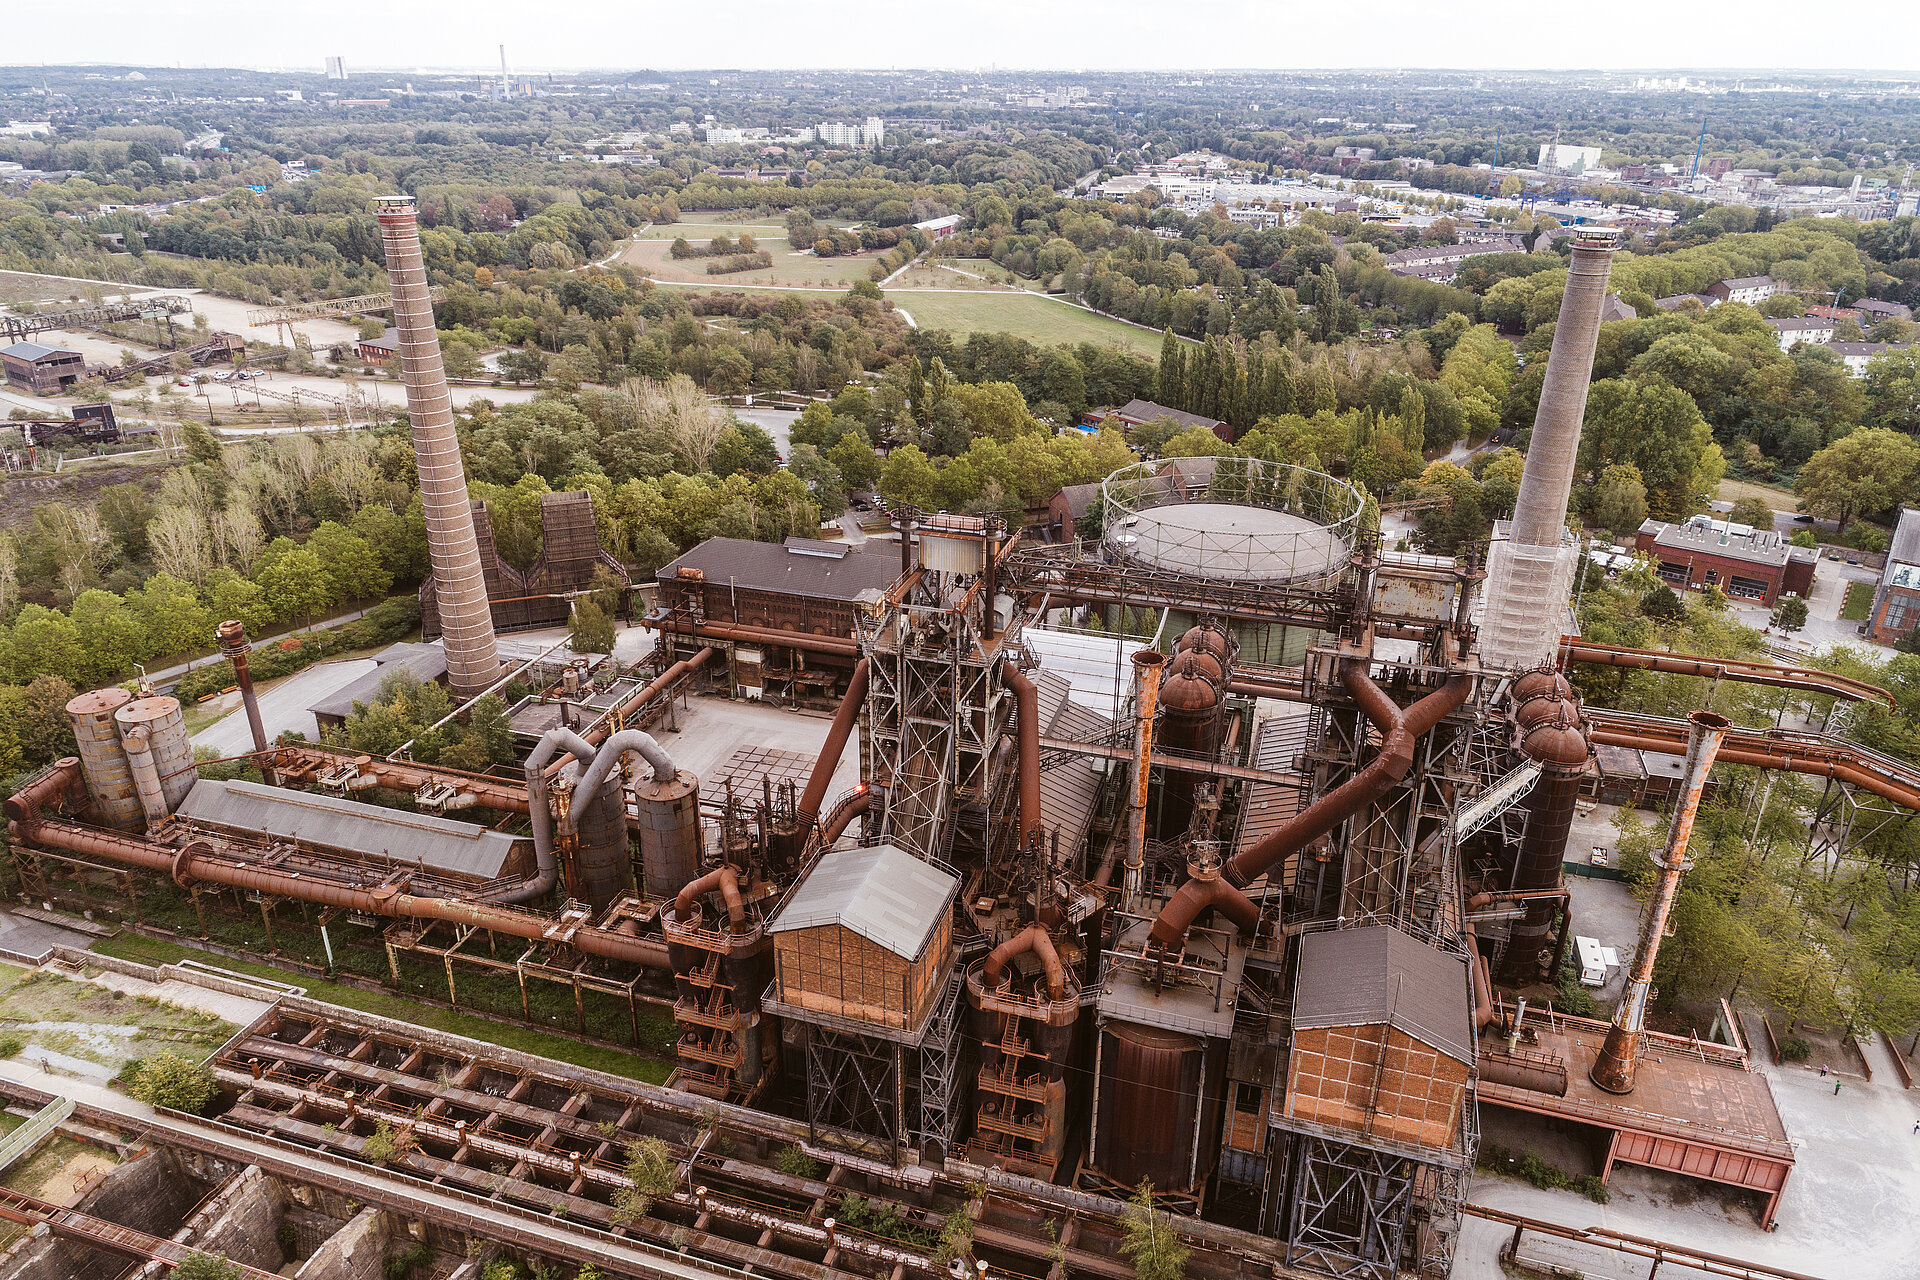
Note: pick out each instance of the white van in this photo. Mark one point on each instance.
(1593, 962)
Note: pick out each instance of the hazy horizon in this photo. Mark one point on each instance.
(1470, 36)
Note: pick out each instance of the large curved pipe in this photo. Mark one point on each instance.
(1400, 730)
(1894, 780)
(727, 881)
(1033, 938)
(844, 719)
(860, 803)
(1027, 726)
(1195, 898)
(546, 861)
(23, 806)
(199, 862)
(1573, 649)
(609, 754)
(1482, 988)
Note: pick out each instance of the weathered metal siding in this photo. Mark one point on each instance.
(102, 760)
(167, 741)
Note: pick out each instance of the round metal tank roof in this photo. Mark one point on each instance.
(1205, 639)
(147, 710)
(1188, 691)
(1556, 739)
(99, 702)
(1197, 663)
(1541, 681)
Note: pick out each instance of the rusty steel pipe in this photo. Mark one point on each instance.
(844, 647)
(844, 720)
(1619, 1058)
(727, 881)
(1035, 939)
(232, 635)
(198, 861)
(1147, 666)
(306, 763)
(1806, 679)
(1401, 729)
(647, 694)
(1831, 759)
(1026, 697)
(855, 807)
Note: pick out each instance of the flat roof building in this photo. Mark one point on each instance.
(1747, 563)
(1895, 612)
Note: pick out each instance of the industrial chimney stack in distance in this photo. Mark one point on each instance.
(1530, 571)
(466, 618)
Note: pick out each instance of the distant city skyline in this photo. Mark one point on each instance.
(1717, 37)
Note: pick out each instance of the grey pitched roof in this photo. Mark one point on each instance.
(883, 893)
(1377, 974)
(1148, 411)
(824, 570)
(31, 351)
(427, 661)
(465, 848)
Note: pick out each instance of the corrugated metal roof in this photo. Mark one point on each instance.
(1377, 974)
(31, 351)
(795, 570)
(1098, 667)
(1278, 741)
(464, 848)
(427, 661)
(1068, 791)
(883, 893)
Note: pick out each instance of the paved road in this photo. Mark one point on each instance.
(283, 707)
(179, 669)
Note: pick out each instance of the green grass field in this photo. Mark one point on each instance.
(1024, 315)
(618, 1062)
(789, 268)
(1859, 600)
(1778, 498)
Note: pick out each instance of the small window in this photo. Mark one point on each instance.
(1246, 1097)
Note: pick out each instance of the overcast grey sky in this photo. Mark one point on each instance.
(1065, 34)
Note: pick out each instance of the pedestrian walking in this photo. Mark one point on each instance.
(1836, 1088)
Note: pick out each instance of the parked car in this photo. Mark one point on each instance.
(1803, 519)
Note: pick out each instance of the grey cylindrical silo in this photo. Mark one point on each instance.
(466, 618)
(167, 741)
(669, 832)
(1540, 511)
(103, 762)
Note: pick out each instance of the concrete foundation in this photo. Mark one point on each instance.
(356, 1251)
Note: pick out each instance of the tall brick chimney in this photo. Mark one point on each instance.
(466, 618)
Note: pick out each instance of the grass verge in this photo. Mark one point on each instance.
(1859, 600)
(1024, 315)
(617, 1062)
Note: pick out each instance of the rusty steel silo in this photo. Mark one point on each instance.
(466, 617)
(103, 762)
(171, 750)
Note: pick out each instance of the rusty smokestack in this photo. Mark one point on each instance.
(466, 618)
(1147, 665)
(1613, 1070)
(1533, 565)
(234, 645)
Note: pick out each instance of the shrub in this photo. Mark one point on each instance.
(11, 1046)
(387, 1143)
(206, 1266)
(652, 1170)
(1795, 1049)
(796, 1163)
(169, 1080)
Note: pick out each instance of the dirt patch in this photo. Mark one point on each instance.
(20, 494)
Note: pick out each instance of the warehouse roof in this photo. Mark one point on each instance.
(32, 351)
(1377, 974)
(442, 844)
(883, 893)
(427, 661)
(800, 566)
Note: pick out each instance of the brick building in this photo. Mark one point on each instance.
(1895, 612)
(1755, 565)
(37, 367)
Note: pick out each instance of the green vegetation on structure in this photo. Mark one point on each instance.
(1529, 1167)
(168, 1080)
(598, 1057)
